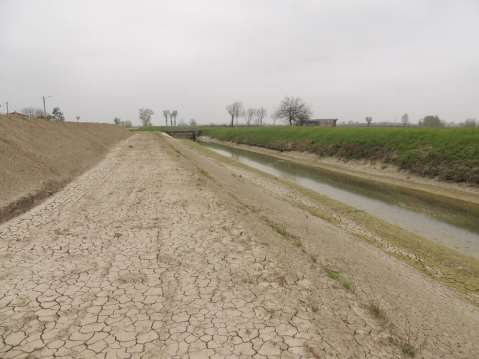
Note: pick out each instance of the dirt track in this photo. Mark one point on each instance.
(144, 256)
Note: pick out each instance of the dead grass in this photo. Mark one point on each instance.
(375, 308)
(410, 344)
(408, 349)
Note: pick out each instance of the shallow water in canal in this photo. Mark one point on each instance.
(454, 224)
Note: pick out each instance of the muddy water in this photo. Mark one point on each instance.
(454, 224)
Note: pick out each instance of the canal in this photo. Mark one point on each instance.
(452, 223)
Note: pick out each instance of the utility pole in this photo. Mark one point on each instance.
(44, 108)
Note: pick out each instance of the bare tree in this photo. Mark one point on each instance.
(145, 116)
(368, 120)
(235, 110)
(294, 110)
(166, 114)
(231, 111)
(78, 118)
(260, 115)
(192, 122)
(173, 116)
(405, 119)
(250, 114)
(116, 121)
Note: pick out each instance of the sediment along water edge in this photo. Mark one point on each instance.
(454, 224)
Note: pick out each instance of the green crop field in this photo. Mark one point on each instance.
(446, 153)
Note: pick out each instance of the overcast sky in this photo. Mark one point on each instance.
(347, 59)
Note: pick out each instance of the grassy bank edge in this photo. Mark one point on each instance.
(445, 265)
(447, 154)
(454, 196)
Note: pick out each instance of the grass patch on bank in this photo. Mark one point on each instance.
(446, 153)
(341, 278)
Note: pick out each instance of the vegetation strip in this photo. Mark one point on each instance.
(446, 153)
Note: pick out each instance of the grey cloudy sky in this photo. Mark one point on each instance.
(347, 59)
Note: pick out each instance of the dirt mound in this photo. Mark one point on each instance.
(38, 157)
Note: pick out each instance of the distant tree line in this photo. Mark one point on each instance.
(470, 123)
(117, 121)
(38, 113)
(295, 112)
(435, 121)
(292, 111)
(252, 116)
(145, 115)
(429, 121)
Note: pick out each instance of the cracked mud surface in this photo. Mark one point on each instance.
(140, 258)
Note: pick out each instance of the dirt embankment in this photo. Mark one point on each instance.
(38, 157)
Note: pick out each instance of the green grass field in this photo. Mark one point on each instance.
(446, 153)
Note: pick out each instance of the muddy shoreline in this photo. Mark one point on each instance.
(389, 175)
(435, 260)
(451, 224)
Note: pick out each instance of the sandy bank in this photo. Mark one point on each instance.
(37, 157)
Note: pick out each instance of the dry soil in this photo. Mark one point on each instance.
(161, 252)
(38, 157)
